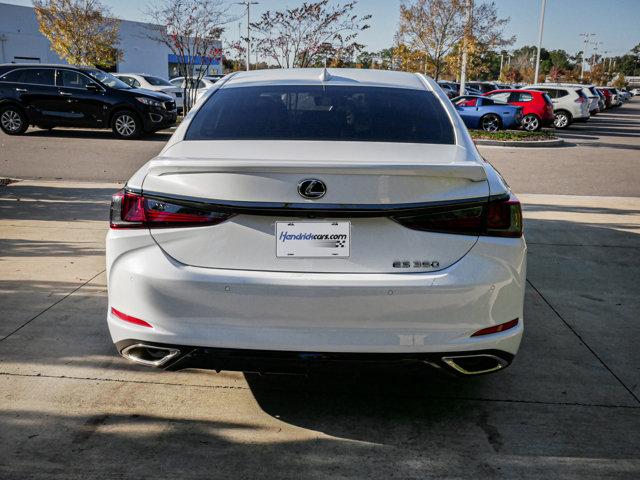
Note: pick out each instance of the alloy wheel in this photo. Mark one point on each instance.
(125, 125)
(11, 120)
(560, 120)
(530, 123)
(490, 123)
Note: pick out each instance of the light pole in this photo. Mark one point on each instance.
(540, 29)
(467, 33)
(593, 55)
(248, 4)
(584, 50)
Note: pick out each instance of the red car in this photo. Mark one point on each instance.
(537, 109)
(607, 96)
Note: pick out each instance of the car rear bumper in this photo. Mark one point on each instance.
(179, 357)
(317, 312)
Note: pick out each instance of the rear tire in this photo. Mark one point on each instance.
(531, 123)
(561, 119)
(490, 123)
(13, 120)
(126, 125)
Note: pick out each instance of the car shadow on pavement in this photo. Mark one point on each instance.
(160, 136)
(52, 203)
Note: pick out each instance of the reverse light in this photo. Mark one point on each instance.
(132, 210)
(496, 328)
(129, 318)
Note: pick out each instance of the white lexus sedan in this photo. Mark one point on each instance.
(310, 218)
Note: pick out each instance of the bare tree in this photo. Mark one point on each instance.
(191, 30)
(299, 37)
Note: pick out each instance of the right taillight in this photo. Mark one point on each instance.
(497, 218)
(132, 210)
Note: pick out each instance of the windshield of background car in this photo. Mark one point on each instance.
(107, 79)
(158, 82)
(317, 112)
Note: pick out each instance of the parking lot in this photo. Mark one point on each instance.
(569, 406)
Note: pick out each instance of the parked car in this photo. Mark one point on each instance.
(602, 104)
(203, 84)
(570, 104)
(150, 82)
(449, 89)
(537, 109)
(486, 114)
(608, 97)
(623, 94)
(482, 87)
(635, 91)
(69, 96)
(258, 239)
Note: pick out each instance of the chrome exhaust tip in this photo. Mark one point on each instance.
(475, 364)
(150, 355)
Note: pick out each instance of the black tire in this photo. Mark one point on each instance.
(531, 123)
(561, 119)
(13, 120)
(490, 122)
(126, 125)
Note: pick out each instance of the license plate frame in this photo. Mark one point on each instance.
(313, 239)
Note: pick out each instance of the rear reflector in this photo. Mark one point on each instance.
(496, 328)
(129, 318)
(131, 210)
(498, 218)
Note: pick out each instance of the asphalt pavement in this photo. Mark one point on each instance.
(569, 406)
(601, 157)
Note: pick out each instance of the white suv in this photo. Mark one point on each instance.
(570, 104)
(304, 218)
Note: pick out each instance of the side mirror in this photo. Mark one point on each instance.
(94, 87)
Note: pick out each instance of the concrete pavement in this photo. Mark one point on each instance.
(71, 408)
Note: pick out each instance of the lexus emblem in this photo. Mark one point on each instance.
(312, 188)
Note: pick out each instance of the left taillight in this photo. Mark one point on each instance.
(132, 210)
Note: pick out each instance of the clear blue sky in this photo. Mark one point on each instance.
(616, 23)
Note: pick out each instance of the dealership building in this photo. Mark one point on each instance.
(22, 42)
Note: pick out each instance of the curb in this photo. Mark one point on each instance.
(523, 144)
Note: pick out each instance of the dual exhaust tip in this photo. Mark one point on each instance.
(466, 364)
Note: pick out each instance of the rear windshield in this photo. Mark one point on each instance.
(316, 112)
(158, 82)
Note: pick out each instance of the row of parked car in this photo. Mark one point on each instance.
(174, 87)
(491, 106)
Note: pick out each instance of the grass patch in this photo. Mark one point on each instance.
(512, 135)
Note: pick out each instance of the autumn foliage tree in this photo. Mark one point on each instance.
(81, 32)
(305, 35)
(437, 28)
(191, 30)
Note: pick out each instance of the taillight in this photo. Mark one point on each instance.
(131, 210)
(580, 100)
(498, 218)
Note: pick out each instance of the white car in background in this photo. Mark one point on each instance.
(308, 218)
(570, 103)
(204, 84)
(150, 82)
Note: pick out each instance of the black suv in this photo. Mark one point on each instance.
(69, 96)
